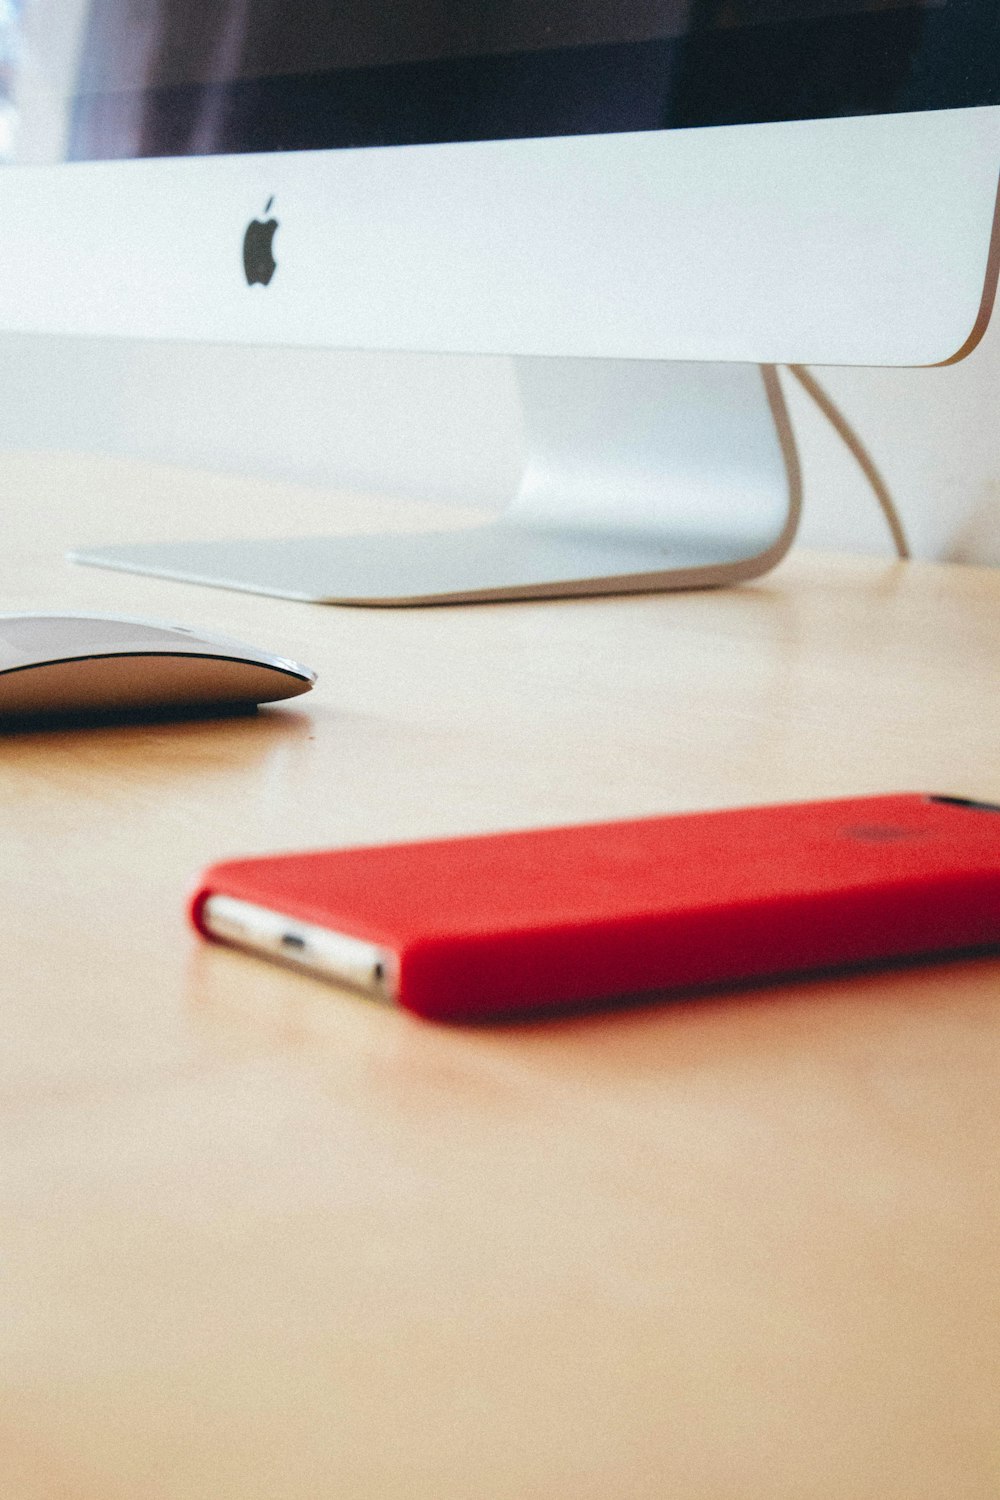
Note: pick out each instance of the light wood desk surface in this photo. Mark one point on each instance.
(264, 1240)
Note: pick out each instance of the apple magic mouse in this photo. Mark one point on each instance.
(65, 665)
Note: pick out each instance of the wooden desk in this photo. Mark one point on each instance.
(263, 1240)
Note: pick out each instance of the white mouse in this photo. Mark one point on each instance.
(63, 665)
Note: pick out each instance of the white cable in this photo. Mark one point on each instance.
(860, 453)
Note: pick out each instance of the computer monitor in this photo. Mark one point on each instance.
(649, 203)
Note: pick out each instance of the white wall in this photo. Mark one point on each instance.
(448, 427)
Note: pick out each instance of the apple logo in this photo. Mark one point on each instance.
(258, 258)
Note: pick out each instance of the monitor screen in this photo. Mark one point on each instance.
(235, 76)
(684, 179)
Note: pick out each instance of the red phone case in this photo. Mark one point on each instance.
(552, 919)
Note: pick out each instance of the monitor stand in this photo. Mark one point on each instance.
(641, 475)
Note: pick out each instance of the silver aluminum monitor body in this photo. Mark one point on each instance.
(646, 282)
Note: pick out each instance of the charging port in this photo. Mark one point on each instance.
(292, 940)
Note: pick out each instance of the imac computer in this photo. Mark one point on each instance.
(648, 204)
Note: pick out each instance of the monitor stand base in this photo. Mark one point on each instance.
(641, 476)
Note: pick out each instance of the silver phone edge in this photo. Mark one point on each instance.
(335, 956)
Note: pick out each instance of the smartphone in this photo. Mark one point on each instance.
(554, 919)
